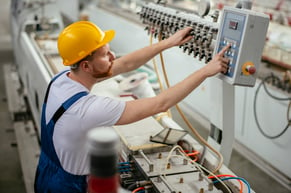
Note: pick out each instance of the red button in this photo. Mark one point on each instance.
(251, 69)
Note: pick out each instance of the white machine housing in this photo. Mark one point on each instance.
(246, 31)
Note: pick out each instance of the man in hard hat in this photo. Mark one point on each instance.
(70, 111)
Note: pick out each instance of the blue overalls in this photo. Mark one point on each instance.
(50, 176)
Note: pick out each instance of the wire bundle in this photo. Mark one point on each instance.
(219, 178)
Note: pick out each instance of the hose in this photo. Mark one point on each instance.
(274, 97)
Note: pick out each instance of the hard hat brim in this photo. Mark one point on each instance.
(109, 35)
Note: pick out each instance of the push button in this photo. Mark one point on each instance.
(248, 68)
(251, 69)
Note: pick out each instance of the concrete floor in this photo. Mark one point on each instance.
(11, 179)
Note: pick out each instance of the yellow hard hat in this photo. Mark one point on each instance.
(80, 39)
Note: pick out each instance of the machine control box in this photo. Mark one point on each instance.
(246, 31)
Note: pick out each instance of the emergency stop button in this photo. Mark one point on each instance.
(248, 68)
(251, 69)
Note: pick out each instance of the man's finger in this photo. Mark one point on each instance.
(221, 53)
(225, 60)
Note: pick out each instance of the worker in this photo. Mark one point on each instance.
(70, 110)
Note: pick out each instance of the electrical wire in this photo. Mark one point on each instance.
(194, 154)
(267, 90)
(237, 178)
(194, 131)
(122, 163)
(198, 166)
(138, 189)
(227, 175)
(132, 187)
(183, 143)
(276, 98)
(124, 167)
(202, 140)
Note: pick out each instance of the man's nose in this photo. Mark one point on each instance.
(112, 55)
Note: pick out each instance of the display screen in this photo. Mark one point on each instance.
(233, 24)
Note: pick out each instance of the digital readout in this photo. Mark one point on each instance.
(233, 25)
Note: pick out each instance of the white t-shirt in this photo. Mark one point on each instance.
(70, 132)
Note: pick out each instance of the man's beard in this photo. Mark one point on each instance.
(104, 74)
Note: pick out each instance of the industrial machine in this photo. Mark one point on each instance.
(150, 166)
(270, 113)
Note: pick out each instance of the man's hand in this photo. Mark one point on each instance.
(218, 64)
(179, 38)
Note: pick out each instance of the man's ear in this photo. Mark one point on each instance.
(85, 66)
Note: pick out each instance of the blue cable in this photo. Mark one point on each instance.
(122, 167)
(237, 178)
(123, 163)
(128, 170)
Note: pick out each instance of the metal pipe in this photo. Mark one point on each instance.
(151, 165)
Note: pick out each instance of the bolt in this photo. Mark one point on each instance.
(181, 180)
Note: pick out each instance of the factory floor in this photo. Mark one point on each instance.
(11, 178)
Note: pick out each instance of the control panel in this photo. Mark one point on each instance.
(163, 21)
(245, 31)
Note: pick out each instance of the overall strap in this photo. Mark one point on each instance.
(65, 106)
(49, 86)
(43, 119)
(48, 130)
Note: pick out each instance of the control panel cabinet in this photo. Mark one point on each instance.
(246, 31)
